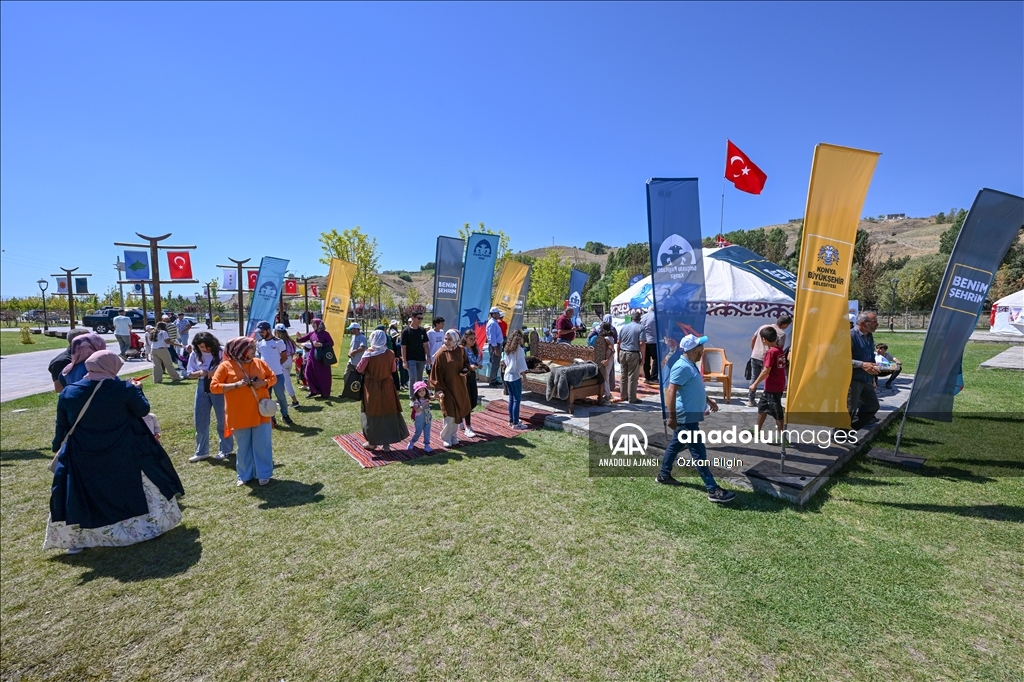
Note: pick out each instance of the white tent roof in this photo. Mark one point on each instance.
(1014, 299)
(722, 280)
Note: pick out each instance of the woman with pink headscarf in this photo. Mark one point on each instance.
(113, 484)
(81, 348)
(318, 373)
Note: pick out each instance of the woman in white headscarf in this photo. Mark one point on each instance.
(448, 378)
(380, 411)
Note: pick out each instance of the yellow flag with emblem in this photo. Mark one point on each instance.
(336, 301)
(510, 285)
(820, 355)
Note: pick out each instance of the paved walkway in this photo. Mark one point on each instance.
(25, 374)
(1011, 358)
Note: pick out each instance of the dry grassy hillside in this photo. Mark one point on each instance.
(910, 237)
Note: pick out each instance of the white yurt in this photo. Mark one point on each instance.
(1009, 317)
(744, 291)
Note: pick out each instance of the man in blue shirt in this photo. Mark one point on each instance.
(495, 343)
(685, 398)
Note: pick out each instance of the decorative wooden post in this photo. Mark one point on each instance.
(154, 246)
(71, 292)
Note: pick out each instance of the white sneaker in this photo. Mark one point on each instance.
(222, 455)
(198, 458)
(73, 550)
(470, 433)
(446, 444)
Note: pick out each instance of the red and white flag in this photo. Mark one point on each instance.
(314, 291)
(291, 287)
(722, 242)
(741, 171)
(180, 264)
(253, 275)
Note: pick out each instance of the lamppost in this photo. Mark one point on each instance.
(42, 291)
(210, 292)
(894, 282)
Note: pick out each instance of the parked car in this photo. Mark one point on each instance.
(102, 321)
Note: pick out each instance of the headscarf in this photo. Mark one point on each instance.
(81, 348)
(452, 338)
(378, 343)
(317, 324)
(237, 347)
(608, 319)
(103, 364)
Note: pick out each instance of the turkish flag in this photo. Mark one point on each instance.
(253, 275)
(180, 264)
(314, 290)
(722, 242)
(741, 171)
(291, 287)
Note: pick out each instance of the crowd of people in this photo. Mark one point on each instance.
(114, 484)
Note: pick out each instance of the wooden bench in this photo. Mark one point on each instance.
(565, 354)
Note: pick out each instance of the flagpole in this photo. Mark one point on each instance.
(721, 215)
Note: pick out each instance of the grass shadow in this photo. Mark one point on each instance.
(171, 554)
(499, 447)
(992, 512)
(283, 493)
(22, 455)
(302, 431)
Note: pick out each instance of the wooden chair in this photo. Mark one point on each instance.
(718, 368)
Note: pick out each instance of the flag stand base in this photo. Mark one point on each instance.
(903, 459)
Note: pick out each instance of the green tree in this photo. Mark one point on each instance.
(355, 247)
(775, 250)
(593, 271)
(709, 242)
(523, 258)
(920, 280)
(413, 297)
(549, 281)
(940, 218)
(596, 248)
(428, 266)
(861, 247)
(948, 238)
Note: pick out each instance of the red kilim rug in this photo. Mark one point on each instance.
(488, 424)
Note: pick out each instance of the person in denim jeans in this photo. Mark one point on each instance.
(202, 363)
(685, 398)
(514, 360)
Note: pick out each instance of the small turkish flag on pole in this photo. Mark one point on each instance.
(741, 171)
(180, 264)
(314, 290)
(291, 287)
(253, 275)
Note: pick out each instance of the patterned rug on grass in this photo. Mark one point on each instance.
(488, 424)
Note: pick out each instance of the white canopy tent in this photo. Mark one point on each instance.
(739, 302)
(1009, 315)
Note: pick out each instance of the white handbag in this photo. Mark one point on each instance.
(266, 406)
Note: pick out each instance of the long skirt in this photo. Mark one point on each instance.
(386, 429)
(162, 515)
(318, 378)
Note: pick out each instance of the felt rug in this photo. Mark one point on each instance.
(488, 424)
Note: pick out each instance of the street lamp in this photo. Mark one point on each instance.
(894, 282)
(42, 291)
(211, 291)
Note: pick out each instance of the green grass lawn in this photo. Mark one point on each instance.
(505, 561)
(10, 343)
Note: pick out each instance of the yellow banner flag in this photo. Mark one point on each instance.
(820, 356)
(337, 297)
(510, 284)
(302, 289)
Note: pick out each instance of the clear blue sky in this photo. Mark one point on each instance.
(248, 129)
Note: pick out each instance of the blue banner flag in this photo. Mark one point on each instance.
(136, 265)
(477, 280)
(677, 267)
(267, 293)
(577, 280)
(635, 278)
(991, 227)
(448, 279)
(137, 289)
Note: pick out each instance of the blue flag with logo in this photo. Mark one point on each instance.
(477, 280)
(267, 293)
(677, 264)
(991, 227)
(136, 265)
(577, 280)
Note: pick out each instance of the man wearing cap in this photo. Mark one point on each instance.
(495, 343)
(503, 324)
(274, 352)
(631, 347)
(358, 345)
(685, 399)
